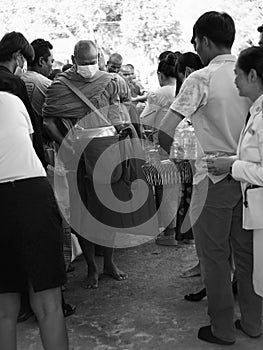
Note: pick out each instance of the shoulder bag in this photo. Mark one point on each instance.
(97, 141)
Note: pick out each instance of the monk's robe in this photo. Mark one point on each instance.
(90, 216)
(101, 90)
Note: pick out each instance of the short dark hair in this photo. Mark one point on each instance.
(167, 66)
(164, 54)
(251, 58)
(260, 29)
(177, 54)
(42, 49)
(66, 67)
(130, 65)
(217, 26)
(54, 73)
(13, 42)
(188, 59)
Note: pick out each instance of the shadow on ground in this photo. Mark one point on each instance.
(145, 312)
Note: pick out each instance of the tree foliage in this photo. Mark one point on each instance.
(140, 28)
(149, 25)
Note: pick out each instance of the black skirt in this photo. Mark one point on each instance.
(31, 237)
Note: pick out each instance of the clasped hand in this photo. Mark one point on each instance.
(219, 165)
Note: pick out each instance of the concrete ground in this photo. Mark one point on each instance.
(145, 312)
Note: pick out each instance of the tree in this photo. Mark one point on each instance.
(149, 24)
(138, 29)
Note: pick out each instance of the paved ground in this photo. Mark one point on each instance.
(146, 312)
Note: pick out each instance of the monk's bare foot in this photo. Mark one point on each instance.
(92, 281)
(113, 271)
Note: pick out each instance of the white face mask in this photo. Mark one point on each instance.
(21, 65)
(87, 71)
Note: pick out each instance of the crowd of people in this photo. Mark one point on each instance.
(220, 96)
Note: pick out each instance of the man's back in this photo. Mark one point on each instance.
(220, 117)
(36, 85)
(210, 99)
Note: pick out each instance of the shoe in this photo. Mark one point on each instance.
(205, 334)
(238, 326)
(170, 240)
(24, 315)
(198, 296)
(68, 310)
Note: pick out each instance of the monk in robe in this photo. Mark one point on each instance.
(62, 110)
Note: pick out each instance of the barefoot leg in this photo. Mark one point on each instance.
(88, 249)
(110, 268)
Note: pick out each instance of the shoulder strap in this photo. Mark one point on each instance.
(80, 94)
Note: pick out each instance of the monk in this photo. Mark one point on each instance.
(63, 109)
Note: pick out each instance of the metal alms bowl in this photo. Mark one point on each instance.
(95, 132)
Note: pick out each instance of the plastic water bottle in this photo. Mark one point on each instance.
(176, 149)
(189, 143)
(152, 154)
(184, 143)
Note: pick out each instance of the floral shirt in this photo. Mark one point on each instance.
(209, 98)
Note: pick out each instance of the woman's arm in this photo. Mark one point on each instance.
(248, 172)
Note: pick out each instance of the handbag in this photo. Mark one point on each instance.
(101, 141)
(253, 208)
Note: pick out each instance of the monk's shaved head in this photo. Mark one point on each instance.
(115, 57)
(84, 46)
(114, 63)
(85, 52)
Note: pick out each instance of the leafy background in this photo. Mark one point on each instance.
(139, 30)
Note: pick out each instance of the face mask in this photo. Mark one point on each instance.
(21, 66)
(87, 71)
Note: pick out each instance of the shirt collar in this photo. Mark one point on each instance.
(257, 105)
(223, 58)
(5, 68)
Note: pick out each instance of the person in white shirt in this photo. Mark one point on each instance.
(37, 82)
(158, 103)
(209, 98)
(247, 167)
(30, 232)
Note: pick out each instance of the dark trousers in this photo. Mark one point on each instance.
(216, 213)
